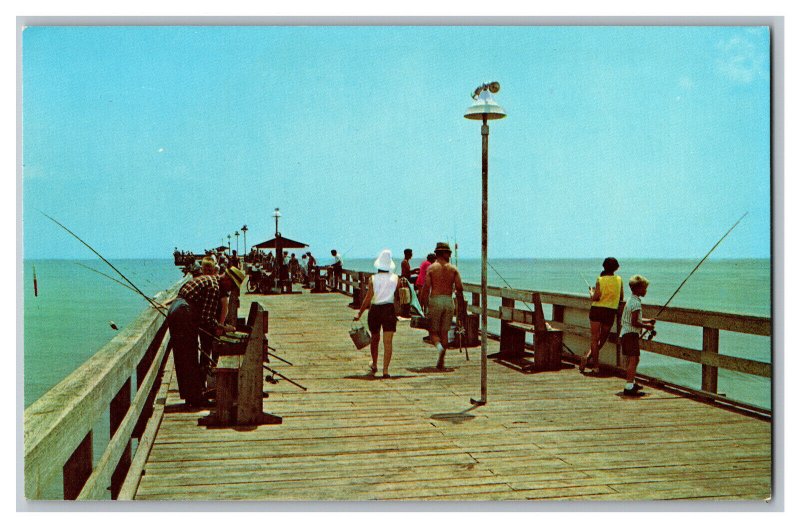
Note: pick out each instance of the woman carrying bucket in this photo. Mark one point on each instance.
(606, 297)
(379, 300)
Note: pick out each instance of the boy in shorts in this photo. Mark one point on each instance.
(632, 322)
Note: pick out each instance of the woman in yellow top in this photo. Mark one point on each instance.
(606, 297)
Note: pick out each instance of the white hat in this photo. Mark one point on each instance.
(384, 261)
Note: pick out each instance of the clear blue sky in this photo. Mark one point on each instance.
(628, 141)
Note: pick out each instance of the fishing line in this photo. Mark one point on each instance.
(507, 284)
(140, 292)
(106, 276)
(137, 290)
(652, 333)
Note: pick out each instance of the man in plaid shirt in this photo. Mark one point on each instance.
(198, 306)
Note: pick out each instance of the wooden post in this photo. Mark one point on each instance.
(251, 383)
(117, 411)
(227, 373)
(558, 313)
(710, 346)
(78, 468)
(505, 331)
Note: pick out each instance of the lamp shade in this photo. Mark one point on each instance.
(485, 105)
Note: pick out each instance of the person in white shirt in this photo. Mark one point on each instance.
(379, 300)
(632, 322)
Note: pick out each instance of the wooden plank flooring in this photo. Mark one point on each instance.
(415, 436)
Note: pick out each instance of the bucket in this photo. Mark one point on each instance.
(360, 336)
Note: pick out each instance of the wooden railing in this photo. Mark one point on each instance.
(58, 426)
(570, 313)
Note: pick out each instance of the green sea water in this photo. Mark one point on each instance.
(69, 320)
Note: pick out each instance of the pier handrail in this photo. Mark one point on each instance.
(711, 322)
(570, 314)
(58, 426)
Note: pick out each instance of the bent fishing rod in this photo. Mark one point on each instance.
(93, 250)
(132, 286)
(650, 334)
(201, 329)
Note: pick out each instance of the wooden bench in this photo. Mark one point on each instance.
(239, 378)
(547, 346)
(515, 325)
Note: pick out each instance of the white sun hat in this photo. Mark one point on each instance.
(384, 261)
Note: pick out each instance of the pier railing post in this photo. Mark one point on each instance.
(710, 346)
(78, 468)
(505, 331)
(117, 411)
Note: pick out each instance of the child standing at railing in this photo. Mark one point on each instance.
(632, 321)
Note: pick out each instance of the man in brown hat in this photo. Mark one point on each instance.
(437, 296)
(198, 311)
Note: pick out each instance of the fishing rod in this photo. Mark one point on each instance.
(275, 372)
(652, 333)
(526, 304)
(133, 286)
(278, 357)
(140, 292)
(201, 329)
(507, 284)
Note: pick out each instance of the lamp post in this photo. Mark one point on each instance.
(278, 249)
(483, 109)
(236, 234)
(229, 244)
(244, 232)
(276, 214)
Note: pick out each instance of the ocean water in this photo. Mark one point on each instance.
(69, 320)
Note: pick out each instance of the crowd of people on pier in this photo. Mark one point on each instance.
(436, 280)
(206, 307)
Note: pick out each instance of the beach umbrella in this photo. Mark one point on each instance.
(285, 243)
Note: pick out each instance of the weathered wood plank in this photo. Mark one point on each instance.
(416, 437)
(96, 485)
(132, 479)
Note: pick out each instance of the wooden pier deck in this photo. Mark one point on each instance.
(542, 436)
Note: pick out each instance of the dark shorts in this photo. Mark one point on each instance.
(382, 315)
(630, 344)
(602, 315)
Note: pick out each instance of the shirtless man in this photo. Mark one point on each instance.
(437, 297)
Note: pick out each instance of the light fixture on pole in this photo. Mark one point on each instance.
(229, 244)
(483, 109)
(244, 232)
(276, 214)
(236, 234)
